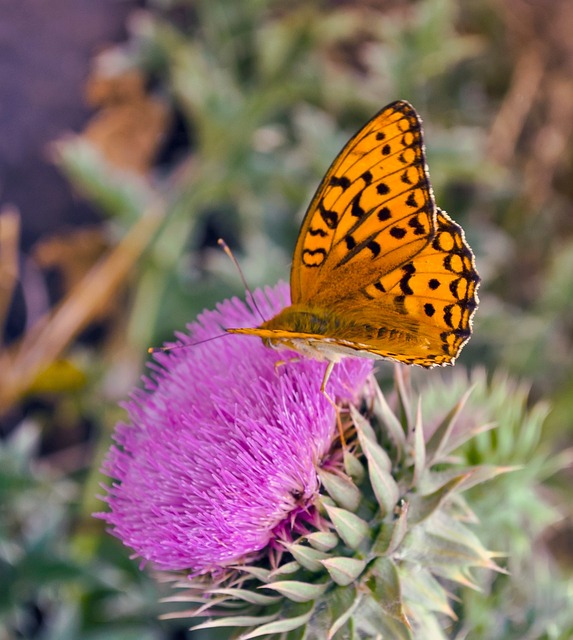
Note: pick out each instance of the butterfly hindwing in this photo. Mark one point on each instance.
(421, 313)
(374, 209)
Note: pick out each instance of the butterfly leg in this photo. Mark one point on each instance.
(338, 420)
(327, 373)
(280, 363)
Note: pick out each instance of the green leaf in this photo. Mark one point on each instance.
(306, 556)
(436, 552)
(297, 591)
(448, 528)
(344, 571)
(323, 540)
(18, 449)
(281, 626)
(437, 445)
(484, 473)
(285, 569)
(341, 489)
(429, 625)
(234, 621)
(364, 428)
(419, 585)
(392, 533)
(296, 634)
(402, 385)
(419, 447)
(120, 193)
(422, 507)
(40, 567)
(454, 573)
(253, 597)
(379, 466)
(371, 621)
(435, 479)
(462, 436)
(390, 421)
(341, 604)
(353, 467)
(351, 528)
(385, 586)
(263, 575)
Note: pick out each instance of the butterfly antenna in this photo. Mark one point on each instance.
(185, 346)
(251, 297)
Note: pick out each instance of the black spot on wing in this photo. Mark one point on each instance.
(411, 201)
(409, 270)
(342, 182)
(433, 283)
(448, 315)
(405, 179)
(405, 287)
(367, 177)
(397, 232)
(384, 214)
(374, 247)
(429, 309)
(356, 209)
(418, 227)
(330, 218)
(313, 257)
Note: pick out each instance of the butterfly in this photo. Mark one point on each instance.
(378, 270)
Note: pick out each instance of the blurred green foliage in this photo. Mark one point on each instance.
(263, 95)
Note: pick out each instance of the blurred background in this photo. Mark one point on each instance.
(134, 133)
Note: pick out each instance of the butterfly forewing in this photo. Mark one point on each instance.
(378, 270)
(373, 211)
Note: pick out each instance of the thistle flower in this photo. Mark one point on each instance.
(224, 444)
(231, 477)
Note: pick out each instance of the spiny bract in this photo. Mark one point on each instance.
(390, 534)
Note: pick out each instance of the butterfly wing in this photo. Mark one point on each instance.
(421, 313)
(378, 270)
(373, 211)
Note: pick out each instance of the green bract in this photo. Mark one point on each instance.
(394, 538)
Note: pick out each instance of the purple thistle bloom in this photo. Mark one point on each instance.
(223, 446)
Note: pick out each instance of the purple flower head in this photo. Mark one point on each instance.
(223, 445)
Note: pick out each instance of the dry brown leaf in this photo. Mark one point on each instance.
(130, 124)
(72, 253)
(9, 251)
(52, 334)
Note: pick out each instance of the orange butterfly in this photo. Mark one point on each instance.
(378, 270)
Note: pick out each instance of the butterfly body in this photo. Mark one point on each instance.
(326, 335)
(378, 270)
